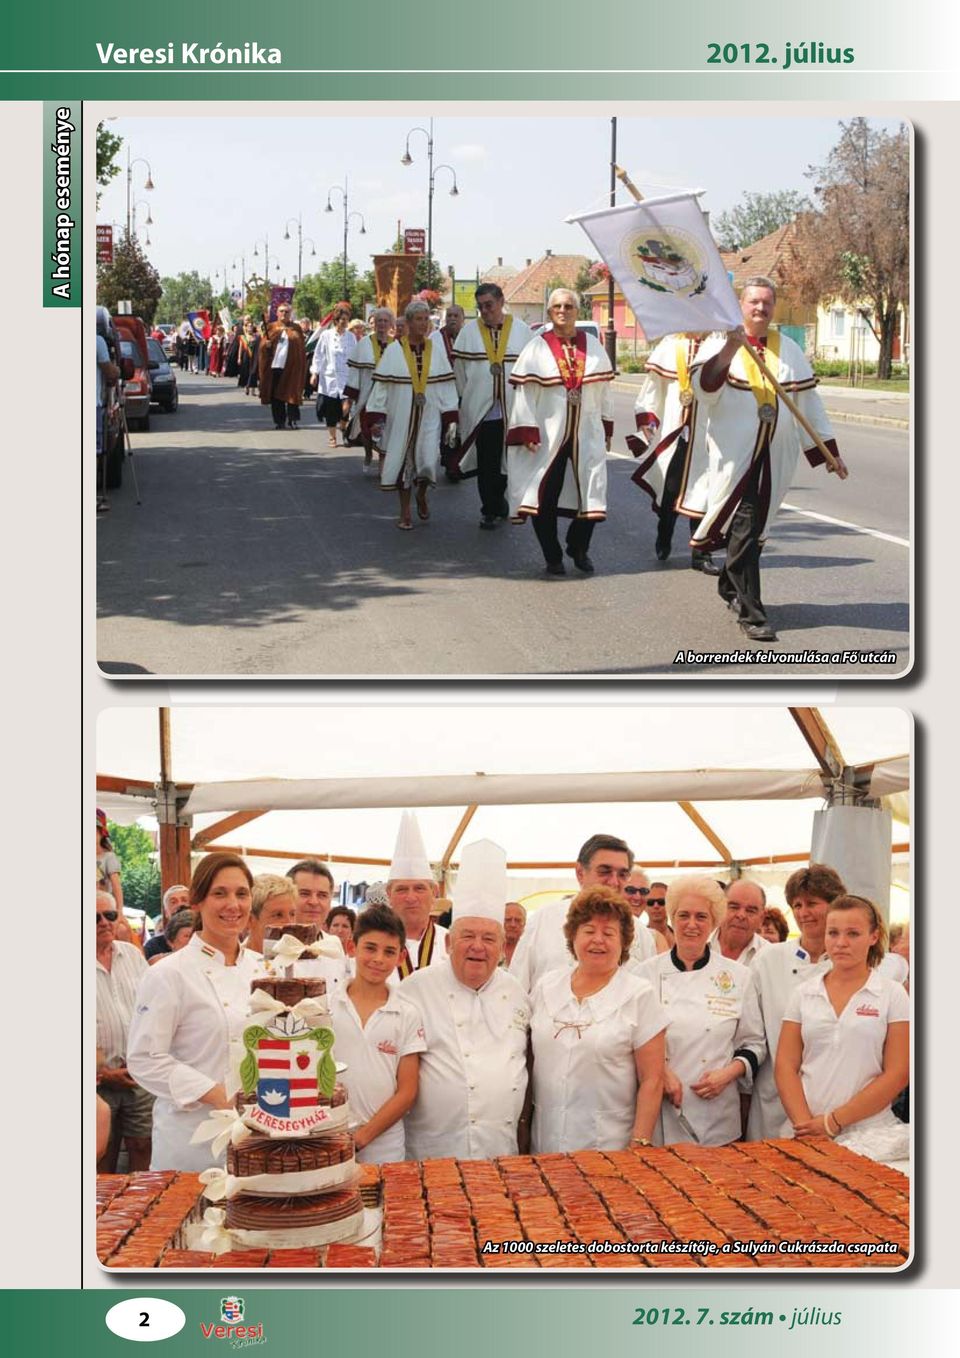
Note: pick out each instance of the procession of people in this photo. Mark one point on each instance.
(597, 1034)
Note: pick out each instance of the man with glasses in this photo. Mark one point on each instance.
(120, 967)
(646, 943)
(560, 431)
(739, 936)
(655, 905)
(603, 860)
(486, 350)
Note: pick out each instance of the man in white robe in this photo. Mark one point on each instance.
(360, 369)
(671, 445)
(753, 443)
(484, 354)
(560, 431)
(475, 1018)
(413, 397)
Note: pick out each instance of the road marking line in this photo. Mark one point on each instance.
(843, 523)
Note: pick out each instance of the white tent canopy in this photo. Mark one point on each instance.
(332, 778)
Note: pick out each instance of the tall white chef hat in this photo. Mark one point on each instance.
(481, 889)
(410, 862)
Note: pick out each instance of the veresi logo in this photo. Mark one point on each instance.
(868, 1011)
(231, 1312)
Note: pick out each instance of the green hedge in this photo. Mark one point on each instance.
(838, 367)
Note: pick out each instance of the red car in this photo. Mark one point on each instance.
(137, 389)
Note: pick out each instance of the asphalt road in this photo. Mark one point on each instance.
(262, 553)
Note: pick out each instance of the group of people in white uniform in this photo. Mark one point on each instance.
(602, 1033)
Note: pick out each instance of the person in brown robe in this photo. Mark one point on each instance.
(283, 368)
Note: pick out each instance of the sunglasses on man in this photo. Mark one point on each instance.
(656, 900)
(109, 915)
(636, 891)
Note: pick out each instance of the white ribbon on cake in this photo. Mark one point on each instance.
(219, 1185)
(313, 1012)
(289, 949)
(224, 1126)
(211, 1233)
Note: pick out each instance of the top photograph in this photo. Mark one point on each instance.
(425, 396)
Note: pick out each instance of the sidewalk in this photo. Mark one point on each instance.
(852, 405)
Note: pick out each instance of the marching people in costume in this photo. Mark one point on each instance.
(753, 443)
(360, 369)
(486, 350)
(413, 397)
(249, 346)
(411, 893)
(190, 1014)
(328, 370)
(475, 1018)
(283, 368)
(671, 445)
(560, 430)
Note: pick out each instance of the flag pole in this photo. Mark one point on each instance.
(791, 405)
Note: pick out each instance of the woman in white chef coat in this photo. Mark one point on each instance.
(190, 1013)
(702, 995)
(844, 1050)
(597, 1037)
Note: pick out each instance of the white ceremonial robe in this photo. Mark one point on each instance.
(774, 974)
(473, 1074)
(702, 1008)
(372, 1055)
(360, 368)
(480, 390)
(411, 435)
(843, 1052)
(185, 1037)
(439, 956)
(543, 945)
(670, 429)
(584, 1069)
(541, 411)
(736, 439)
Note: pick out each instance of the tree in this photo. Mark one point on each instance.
(756, 215)
(186, 292)
(131, 276)
(107, 148)
(131, 843)
(588, 277)
(317, 292)
(856, 246)
(141, 887)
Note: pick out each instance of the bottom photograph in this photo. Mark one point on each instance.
(469, 987)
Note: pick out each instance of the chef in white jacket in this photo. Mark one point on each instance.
(774, 975)
(702, 994)
(190, 1013)
(597, 1037)
(475, 1017)
(411, 894)
(603, 860)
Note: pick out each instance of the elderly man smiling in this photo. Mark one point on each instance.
(475, 1017)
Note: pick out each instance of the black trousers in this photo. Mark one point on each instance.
(667, 515)
(545, 523)
(283, 413)
(739, 581)
(491, 481)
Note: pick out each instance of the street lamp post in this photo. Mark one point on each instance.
(300, 239)
(138, 160)
(266, 257)
(243, 281)
(347, 214)
(407, 159)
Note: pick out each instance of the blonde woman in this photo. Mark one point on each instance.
(273, 904)
(702, 995)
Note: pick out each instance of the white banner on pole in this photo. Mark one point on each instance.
(666, 263)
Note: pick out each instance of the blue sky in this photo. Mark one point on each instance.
(224, 183)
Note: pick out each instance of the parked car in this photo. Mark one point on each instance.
(162, 378)
(591, 328)
(136, 394)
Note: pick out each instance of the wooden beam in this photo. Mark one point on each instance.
(175, 865)
(251, 852)
(819, 739)
(457, 835)
(706, 830)
(224, 826)
(166, 759)
(132, 787)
